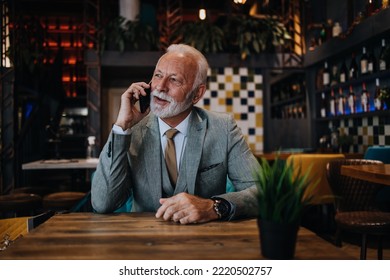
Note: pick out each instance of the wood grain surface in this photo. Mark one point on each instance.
(141, 236)
(379, 174)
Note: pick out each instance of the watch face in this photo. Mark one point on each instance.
(223, 208)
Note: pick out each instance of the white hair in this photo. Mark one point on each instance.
(196, 56)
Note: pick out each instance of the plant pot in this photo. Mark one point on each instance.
(277, 240)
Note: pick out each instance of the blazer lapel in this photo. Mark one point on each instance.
(193, 149)
(152, 157)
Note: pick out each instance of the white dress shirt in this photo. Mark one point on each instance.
(180, 138)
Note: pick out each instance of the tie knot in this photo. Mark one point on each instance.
(171, 133)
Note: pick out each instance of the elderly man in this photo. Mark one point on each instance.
(187, 183)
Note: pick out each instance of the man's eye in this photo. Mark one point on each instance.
(175, 82)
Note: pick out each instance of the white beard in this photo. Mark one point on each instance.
(174, 108)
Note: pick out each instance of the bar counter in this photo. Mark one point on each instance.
(140, 236)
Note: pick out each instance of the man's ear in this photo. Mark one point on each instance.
(199, 93)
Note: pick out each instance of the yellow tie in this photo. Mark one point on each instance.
(170, 155)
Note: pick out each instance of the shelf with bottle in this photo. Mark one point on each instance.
(374, 26)
(288, 96)
(372, 62)
(352, 101)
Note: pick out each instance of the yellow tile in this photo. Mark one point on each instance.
(236, 86)
(259, 120)
(228, 78)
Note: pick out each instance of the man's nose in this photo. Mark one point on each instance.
(161, 85)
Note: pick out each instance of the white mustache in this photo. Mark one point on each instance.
(162, 95)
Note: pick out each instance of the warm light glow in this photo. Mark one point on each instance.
(239, 1)
(202, 14)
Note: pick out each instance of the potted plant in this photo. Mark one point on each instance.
(345, 141)
(283, 194)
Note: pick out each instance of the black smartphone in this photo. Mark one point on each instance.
(144, 101)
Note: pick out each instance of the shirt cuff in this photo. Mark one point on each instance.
(116, 129)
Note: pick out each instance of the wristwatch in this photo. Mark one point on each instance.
(221, 207)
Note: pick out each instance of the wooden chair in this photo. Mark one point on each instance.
(19, 204)
(356, 210)
(62, 201)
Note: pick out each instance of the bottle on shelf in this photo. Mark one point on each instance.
(323, 106)
(336, 30)
(332, 104)
(326, 75)
(377, 100)
(351, 100)
(91, 148)
(382, 60)
(353, 69)
(369, 8)
(371, 62)
(343, 73)
(323, 35)
(364, 62)
(334, 79)
(365, 99)
(341, 102)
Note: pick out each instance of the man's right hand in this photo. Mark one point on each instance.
(128, 114)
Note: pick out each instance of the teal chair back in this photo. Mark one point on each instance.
(381, 153)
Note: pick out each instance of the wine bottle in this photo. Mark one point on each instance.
(371, 62)
(353, 69)
(323, 35)
(382, 57)
(343, 73)
(326, 75)
(364, 62)
(369, 8)
(365, 99)
(341, 103)
(351, 100)
(332, 104)
(334, 77)
(377, 100)
(323, 106)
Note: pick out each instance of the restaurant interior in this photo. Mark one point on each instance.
(307, 81)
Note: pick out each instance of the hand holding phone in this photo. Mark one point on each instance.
(144, 101)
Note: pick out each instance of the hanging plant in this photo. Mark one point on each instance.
(121, 34)
(202, 35)
(253, 36)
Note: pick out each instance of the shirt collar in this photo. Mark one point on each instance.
(181, 127)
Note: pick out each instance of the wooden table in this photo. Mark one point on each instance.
(373, 173)
(141, 236)
(79, 169)
(76, 163)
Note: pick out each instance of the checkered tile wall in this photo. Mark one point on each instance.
(367, 131)
(238, 91)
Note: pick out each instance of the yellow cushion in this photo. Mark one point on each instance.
(322, 193)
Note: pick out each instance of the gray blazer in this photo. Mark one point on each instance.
(133, 164)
